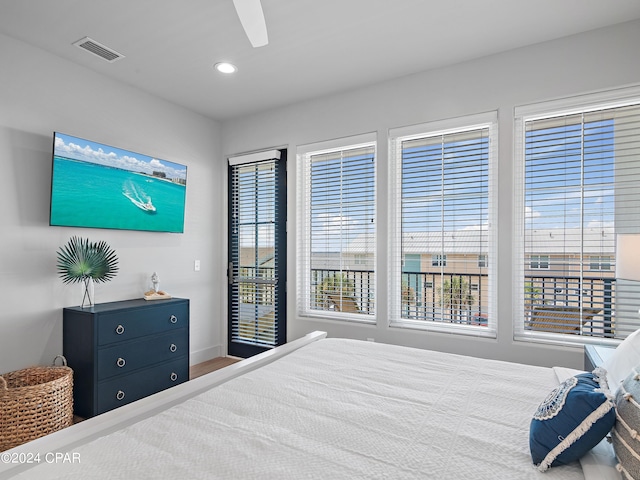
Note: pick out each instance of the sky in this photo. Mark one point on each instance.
(569, 184)
(570, 176)
(93, 152)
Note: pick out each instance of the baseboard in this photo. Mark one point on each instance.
(205, 354)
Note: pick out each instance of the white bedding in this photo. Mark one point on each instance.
(338, 409)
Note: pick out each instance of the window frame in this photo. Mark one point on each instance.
(303, 241)
(539, 260)
(597, 263)
(469, 123)
(563, 107)
(438, 259)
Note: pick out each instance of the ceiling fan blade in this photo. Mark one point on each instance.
(252, 19)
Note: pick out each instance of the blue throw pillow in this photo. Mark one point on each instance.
(572, 420)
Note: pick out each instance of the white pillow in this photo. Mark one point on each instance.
(622, 361)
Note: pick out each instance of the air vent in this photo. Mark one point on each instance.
(98, 49)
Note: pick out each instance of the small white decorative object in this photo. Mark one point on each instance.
(155, 293)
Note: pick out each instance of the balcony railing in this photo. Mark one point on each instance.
(351, 291)
(558, 304)
(570, 304)
(447, 297)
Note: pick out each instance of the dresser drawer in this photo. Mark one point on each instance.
(130, 324)
(125, 389)
(126, 347)
(123, 358)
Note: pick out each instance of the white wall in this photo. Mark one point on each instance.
(40, 93)
(600, 59)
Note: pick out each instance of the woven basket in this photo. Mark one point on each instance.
(34, 402)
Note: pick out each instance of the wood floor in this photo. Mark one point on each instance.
(211, 365)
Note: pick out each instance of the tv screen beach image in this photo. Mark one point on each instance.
(99, 186)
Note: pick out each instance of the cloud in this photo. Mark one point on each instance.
(530, 213)
(483, 227)
(599, 224)
(127, 161)
(330, 222)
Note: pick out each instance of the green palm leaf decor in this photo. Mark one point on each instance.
(83, 261)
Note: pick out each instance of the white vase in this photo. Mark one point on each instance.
(87, 292)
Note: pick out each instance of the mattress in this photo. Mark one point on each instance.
(337, 408)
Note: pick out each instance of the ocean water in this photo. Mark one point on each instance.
(90, 195)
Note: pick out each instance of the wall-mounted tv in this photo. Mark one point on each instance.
(95, 185)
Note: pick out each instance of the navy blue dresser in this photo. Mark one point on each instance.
(123, 351)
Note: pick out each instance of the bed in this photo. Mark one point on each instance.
(320, 408)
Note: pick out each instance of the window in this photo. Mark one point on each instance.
(336, 250)
(576, 191)
(539, 262)
(599, 263)
(360, 259)
(438, 260)
(441, 183)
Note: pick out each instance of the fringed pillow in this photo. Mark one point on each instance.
(625, 435)
(572, 420)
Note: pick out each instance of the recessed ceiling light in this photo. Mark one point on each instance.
(225, 67)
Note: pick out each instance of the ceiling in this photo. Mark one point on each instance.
(316, 47)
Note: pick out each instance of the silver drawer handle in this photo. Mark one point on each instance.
(174, 376)
(119, 329)
(121, 362)
(120, 395)
(173, 347)
(173, 319)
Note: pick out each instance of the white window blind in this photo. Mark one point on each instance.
(441, 189)
(336, 251)
(577, 189)
(255, 253)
